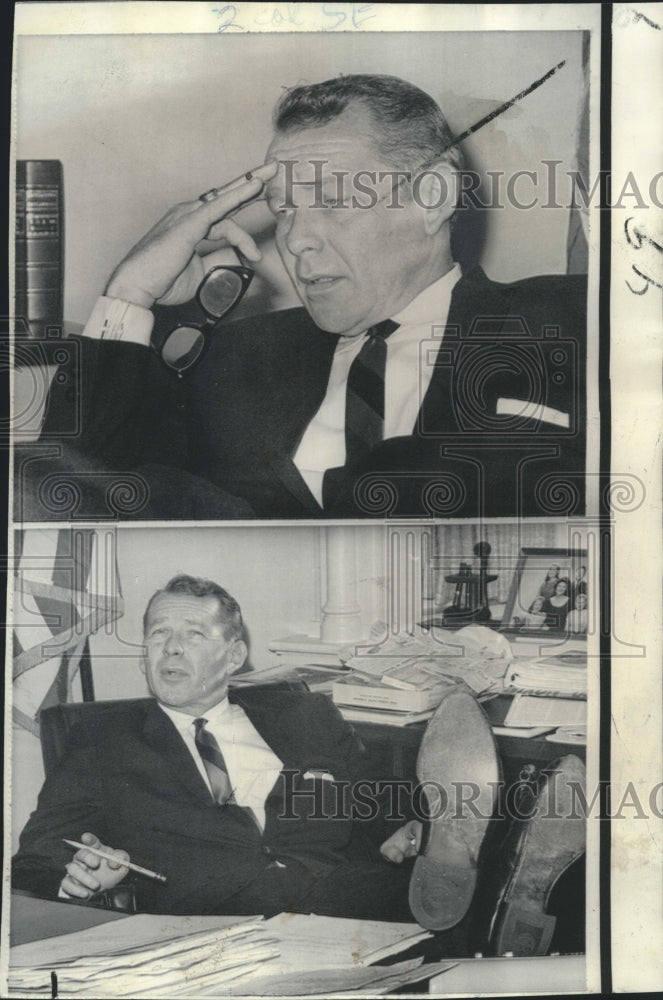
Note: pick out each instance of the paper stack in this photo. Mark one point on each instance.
(563, 676)
(334, 955)
(176, 956)
(181, 964)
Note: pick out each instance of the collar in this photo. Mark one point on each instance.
(218, 715)
(429, 307)
(431, 303)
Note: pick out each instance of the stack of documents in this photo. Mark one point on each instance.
(166, 961)
(563, 676)
(474, 655)
(175, 956)
(332, 955)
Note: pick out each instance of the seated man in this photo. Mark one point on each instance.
(251, 800)
(403, 387)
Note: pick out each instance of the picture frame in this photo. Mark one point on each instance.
(542, 579)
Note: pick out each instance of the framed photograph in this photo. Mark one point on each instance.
(549, 593)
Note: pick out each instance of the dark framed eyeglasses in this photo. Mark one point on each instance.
(220, 291)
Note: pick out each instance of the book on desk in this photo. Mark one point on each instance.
(544, 692)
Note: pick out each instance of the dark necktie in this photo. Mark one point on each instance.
(214, 763)
(364, 400)
(364, 409)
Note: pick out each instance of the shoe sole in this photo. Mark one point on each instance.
(548, 845)
(458, 746)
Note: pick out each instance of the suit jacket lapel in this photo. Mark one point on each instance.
(291, 478)
(319, 361)
(161, 736)
(261, 712)
(473, 296)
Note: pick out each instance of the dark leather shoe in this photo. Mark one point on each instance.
(457, 761)
(534, 854)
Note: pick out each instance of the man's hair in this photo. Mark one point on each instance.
(412, 131)
(230, 614)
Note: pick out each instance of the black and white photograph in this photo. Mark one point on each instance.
(334, 279)
(334, 500)
(225, 734)
(550, 597)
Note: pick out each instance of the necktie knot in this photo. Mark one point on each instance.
(382, 330)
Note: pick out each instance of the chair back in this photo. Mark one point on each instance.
(84, 718)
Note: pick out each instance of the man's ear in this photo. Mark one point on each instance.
(435, 189)
(142, 662)
(238, 655)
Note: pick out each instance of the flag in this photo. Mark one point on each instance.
(66, 587)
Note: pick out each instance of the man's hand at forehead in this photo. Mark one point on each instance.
(165, 265)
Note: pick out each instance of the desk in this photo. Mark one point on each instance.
(393, 750)
(290, 954)
(38, 920)
(520, 976)
(34, 919)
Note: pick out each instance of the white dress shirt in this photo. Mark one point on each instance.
(406, 382)
(252, 766)
(323, 444)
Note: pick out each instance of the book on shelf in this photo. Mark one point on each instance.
(39, 246)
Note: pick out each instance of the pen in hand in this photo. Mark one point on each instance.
(111, 857)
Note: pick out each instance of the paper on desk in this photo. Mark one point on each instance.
(475, 654)
(131, 932)
(374, 980)
(313, 942)
(152, 956)
(471, 641)
(481, 675)
(165, 957)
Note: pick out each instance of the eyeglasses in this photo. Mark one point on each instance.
(220, 291)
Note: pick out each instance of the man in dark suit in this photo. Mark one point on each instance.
(469, 400)
(239, 800)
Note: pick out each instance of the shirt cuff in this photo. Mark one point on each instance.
(114, 319)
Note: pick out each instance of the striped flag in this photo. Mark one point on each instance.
(66, 587)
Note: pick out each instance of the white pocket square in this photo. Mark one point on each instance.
(532, 411)
(324, 775)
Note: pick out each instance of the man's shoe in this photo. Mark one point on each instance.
(535, 853)
(459, 770)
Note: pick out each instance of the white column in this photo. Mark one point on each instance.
(341, 614)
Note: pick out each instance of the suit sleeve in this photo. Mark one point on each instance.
(70, 803)
(113, 402)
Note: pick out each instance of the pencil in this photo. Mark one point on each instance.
(111, 857)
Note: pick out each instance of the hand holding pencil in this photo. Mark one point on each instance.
(88, 873)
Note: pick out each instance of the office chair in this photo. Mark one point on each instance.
(76, 721)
